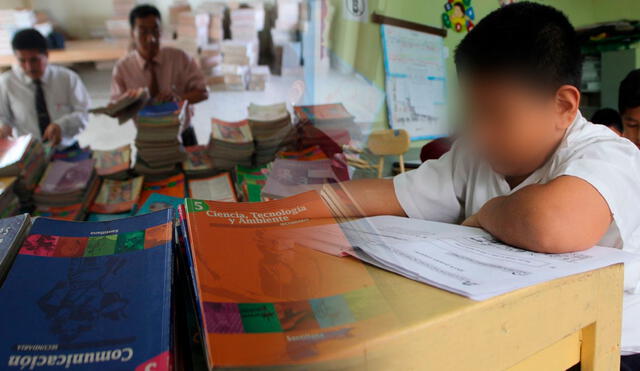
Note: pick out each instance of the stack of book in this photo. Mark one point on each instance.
(228, 77)
(117, 196)
(113, 164)
(245, 23)
(240, 52)
(12, 233)
(272, 130)
(333, 119)
(209, 58)
(118, 24)
(258, 77)
(175, 9)
(158, 139)
(216, 19)
(9, 202)
(193, 28)
(25, 158)
(126, 107)
(90, 286)
(288, 15)
(231, 144)
(198, 163)
(11, 21)
(66, 187)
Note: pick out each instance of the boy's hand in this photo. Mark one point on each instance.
(53, 134)
(472, 221)
(5, 131)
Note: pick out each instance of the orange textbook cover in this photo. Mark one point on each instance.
(173, 186)
(265, 300)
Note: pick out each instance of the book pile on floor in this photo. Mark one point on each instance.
(9, 202)
(113, 164)
(198, 163)
(11, 21)
(250, 181)
(215, 188)
(210, 57)
(66, 189)
(231, 144)
(25, 158)
(245, 23)
(158, 139)
(228, 77)
(287, 22)
(216, 19)
(118, 25)
(258, 77)
(239, 52)
(175, 9)
(272, 130)
(193, 29)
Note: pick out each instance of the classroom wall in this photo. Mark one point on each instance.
(358, 43)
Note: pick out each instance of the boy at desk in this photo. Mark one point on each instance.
(528, 168)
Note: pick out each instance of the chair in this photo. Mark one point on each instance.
(389, 143)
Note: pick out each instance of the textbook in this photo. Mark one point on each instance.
(90, 296)
(198, 163)
(12, 232)
(113, 163)
(25, 158)
(71, 212)
(263, 302)
(215, 188)
(117, 196)
(251, 181)
(66, 183)
(73, 154)
(231, 143)
(9, 203)
(157, 201)
(290, 177)
(126, 107)
(174, 186)
(97, 217)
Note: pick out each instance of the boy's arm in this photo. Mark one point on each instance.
(567, 214)
(366, 197)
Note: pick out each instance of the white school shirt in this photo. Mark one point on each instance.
(67, 102)
(457, 185)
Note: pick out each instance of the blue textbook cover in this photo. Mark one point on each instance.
(12, 232)
(90, 296)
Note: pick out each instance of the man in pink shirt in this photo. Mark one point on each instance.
(170, 74)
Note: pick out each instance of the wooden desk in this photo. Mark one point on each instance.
(98, 50)
(547, 327)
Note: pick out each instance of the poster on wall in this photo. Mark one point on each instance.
(415, 82)
(458, 15)
(355, 10)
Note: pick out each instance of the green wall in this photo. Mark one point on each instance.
(358, 43)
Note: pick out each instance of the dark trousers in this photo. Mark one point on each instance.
(627, 363)
(189, 137)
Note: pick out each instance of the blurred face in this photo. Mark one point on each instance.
(631, 125)
(32, 62)
(146, 35)
(513, 127)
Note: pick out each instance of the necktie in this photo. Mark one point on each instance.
(41, 107)
(153, 88)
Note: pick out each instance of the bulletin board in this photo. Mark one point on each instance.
(415, 77)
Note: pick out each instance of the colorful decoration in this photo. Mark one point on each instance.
(458, 15)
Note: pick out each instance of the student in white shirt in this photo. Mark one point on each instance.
(50, 102)
(528, 168)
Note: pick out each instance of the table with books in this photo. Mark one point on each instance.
(171, 271)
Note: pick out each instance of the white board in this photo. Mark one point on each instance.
(416, 82)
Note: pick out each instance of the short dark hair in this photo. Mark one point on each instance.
(629, 92)
(143, 11)
(525, 40)
(29, 39)
(607, 117)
